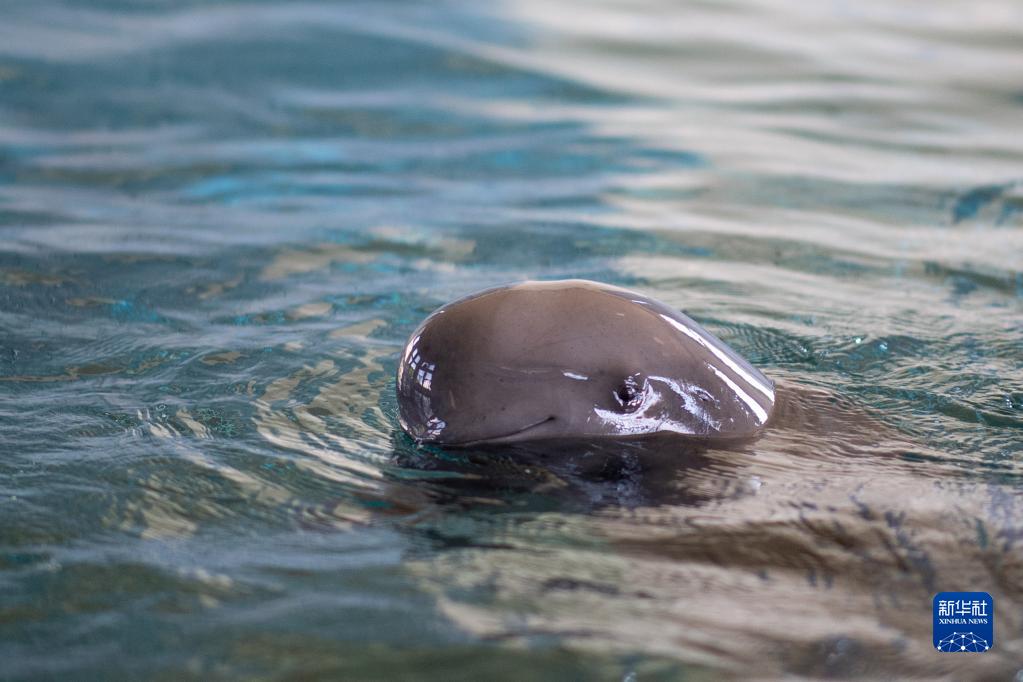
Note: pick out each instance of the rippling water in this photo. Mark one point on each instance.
(221, 220)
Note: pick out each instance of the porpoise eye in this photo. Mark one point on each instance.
(629, 392)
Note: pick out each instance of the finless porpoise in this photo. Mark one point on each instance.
(572, 359)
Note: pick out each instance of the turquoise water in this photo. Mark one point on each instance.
(220, 221)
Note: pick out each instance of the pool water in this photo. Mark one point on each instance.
(221, 220)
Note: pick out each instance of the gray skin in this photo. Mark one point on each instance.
(572, 359)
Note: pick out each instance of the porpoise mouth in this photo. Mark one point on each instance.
(506, 436)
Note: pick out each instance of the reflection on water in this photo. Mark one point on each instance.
(792, 557)
(221, 221)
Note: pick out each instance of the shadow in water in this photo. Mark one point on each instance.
(649, 471)
(578, 477)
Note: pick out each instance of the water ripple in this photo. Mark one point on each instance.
(221, 221)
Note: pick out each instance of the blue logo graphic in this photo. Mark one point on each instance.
(964, 622)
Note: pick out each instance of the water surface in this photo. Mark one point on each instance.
(221, 220)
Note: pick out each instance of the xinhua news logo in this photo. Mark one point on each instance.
(964, 622)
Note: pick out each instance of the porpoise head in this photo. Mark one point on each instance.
(572, 359)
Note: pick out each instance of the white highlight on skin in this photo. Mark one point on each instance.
(691, 403)
(409, 350)
(723, 357)
(577, 377)
(641, 422)
(746, 398)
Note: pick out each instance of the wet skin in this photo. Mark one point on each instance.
(572, 359)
